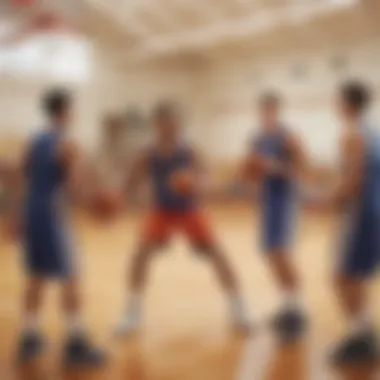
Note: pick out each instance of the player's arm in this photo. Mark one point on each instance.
(74, 166)
(350, 182)
(200, 170)
(250, 164)
(12, 177)
(137, 171)
(299, 162)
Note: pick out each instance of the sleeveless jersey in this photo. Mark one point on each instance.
(161, 168)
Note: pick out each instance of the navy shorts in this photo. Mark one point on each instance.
(48, 251)
(360, 244)
(278, 216)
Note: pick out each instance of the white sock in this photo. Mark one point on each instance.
(30, 323)
(134, 306)
(292, 300)
(75, 325)
(236, 304)
(359, 324)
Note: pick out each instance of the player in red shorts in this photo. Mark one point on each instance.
(176, 176)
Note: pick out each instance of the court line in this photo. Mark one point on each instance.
(256, 357)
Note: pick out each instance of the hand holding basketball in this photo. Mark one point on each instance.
(107, 204)
(253, 167)
(183, 182)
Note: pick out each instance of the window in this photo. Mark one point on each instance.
(62, 57)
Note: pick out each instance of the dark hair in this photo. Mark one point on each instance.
(270, 98)
(112, 120)
(56, 101)
(356, 94)
(164, 110)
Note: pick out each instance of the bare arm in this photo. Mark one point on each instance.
(137, 171)
(299, 162)
(351, 179)
(201, 172)
(13, 180)
(74, 167)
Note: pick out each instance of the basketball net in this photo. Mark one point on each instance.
(34, 20)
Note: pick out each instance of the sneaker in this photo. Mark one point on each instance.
(241, 320)
(130, 323)
(290, 325)
(361, 348)
(30, 347)
(79, 352)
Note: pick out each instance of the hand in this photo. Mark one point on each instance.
(253, 167)
(183, 182)
(12, 228)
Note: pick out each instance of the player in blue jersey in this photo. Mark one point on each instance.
(357, 197)
(52, 173)
(275, 161)
(176, 176)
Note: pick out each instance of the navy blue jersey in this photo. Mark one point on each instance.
(46, 235)
(277, 193)
(360, 235)
(273, 145)
(45, 175)
(161, 168)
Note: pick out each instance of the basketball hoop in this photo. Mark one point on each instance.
(22, 3)
(50, 22)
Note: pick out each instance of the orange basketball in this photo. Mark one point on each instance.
(253, 168)
(108, 204)
(183, 181)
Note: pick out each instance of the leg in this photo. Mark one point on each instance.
(285, 275)
(283, 270)
(352, 294)
(32, 303)
(139, 271)
(197, 230)
(290, 322)
(71, 304)
(31, 344)
(78, 350)
(155, 233)
(361, 343)
(360, 260)
(140, 267)
(277, 227)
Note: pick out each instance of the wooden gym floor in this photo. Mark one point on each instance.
(186, 333)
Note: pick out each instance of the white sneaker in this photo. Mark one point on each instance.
(241, 321)
(130, 323)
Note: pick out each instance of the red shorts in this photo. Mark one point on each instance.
(160, 225)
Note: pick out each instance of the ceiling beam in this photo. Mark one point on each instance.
(124, 20)
(254, 23)
(202, 9)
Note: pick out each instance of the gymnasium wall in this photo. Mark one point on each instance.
(226, 89)
(218, 92)
(20, 94)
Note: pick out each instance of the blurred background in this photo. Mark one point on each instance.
(210, 56)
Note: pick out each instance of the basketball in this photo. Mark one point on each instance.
(107, 204)
(253, 168)
(183, 182)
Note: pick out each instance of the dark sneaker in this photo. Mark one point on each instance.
(79, 353)
(289, 325)
(30, 347)
(357, 349)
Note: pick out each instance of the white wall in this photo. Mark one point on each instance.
(227, 88)
(217, 95)
(21, 91)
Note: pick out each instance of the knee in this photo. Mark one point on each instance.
(144, 252)
(341, 281)
(34, 286)
(208, 250)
